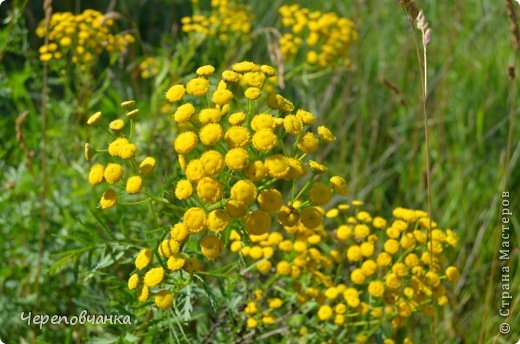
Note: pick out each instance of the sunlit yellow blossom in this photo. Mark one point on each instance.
(153, 277)
(113, 173)
(143, 259)
(134, 184)
(197, 87)
(96, 174)
(164, 299)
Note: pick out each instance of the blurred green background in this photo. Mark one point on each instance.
(60, 255)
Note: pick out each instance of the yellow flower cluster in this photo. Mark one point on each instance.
(244, 181)
(149, 67)
(226, 19)
(368, 270)
(323, 39)
(81, 38)
(243, 157)
(119, 150)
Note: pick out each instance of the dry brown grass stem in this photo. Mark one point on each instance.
(47, 7)
(416, 15)
(513, 24)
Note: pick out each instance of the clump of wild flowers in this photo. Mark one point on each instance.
(225, 20)
(242, 158)
(245, 192)
(365, 274)
(321, 39)
(149, 67)
(81, 38)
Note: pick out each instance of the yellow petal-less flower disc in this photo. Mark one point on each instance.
(211, 133)
(175, 93)
(242, 67)
(128, 151)
(117, 124)
(209, 115)
(283, 268)
(244, 191)
(320, 193)
(264, 266)
(212, 162)
(340, 186)
(198, 87)
(211, 246)
(143, 294)
(256, 170)
(209, 190)
(230, 76)
(143, 258)
(376, 288)
(262, 121)
(325, 134)
(237, 137)
(292, 124)
(95, 175)
(288, 216)
(195, 170)
(268, 70)
(325, 312)
(115, 147)
(147, 166)
(264, 140)
(206, 70)
(217, 220)
(236, 159)
(183, 189)
(109, 199)
(311, 217)
(306, 117)
(452, 274)
(176, 262)
(258, 222)
(89, 152)
(277, 166)
(185, 142)
(270, 200)
(134, 184)
(195, 220)
(237, 118)
(316, 167)
(164, 299)
(133, 113)
(153, 277)
(183, 113)
(253, 93)
(128, 104)
(168, 247)
(221, 97)
(113, 173)
(94, 119)
(236, 209)
(308, 143)
(133, 281)
(179, 232)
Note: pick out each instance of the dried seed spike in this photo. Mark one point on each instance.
(411, 8)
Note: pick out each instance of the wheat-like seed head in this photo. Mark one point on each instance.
(411, 8)
(422, 24)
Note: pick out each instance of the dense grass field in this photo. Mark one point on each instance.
(61, 253)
